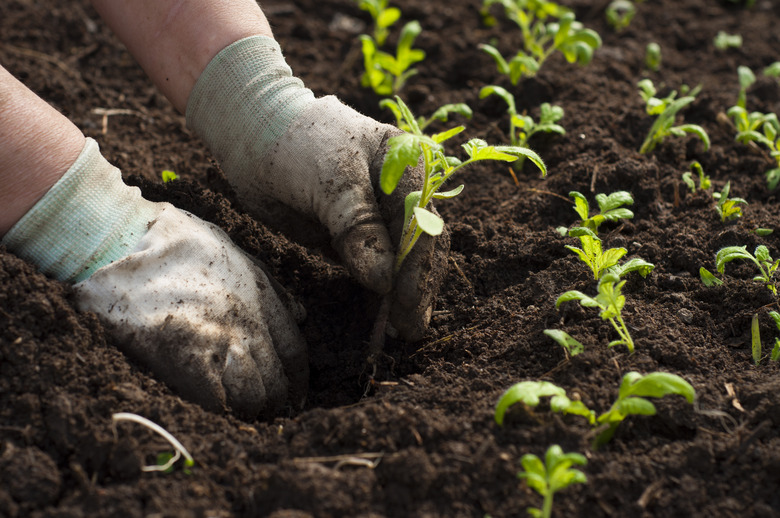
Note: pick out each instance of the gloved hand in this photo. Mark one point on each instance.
(278, 144)
(172, 290)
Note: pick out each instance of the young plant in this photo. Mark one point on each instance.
(170, 461)
(550, 476)
(666, 110)
(168, 176)
(727, 208)
(653, 56)
(704, 180)
(442, 114)
(529, 393)
(773, 70)
(610, 302)
(592, 254)
(522, 127)
(634, 388)
(761, 258)
(541, 38)
(756, 127)
(724, 41)
(384, 17)
(631, 399)
(406, 150)
(610, 208)
(384, 73)
(565, 340)
(619, 14)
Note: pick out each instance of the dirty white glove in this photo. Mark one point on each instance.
(172, 290)
(320, 158)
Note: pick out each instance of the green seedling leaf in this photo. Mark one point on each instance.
(429, 222)
(633, 389)
(446, 135)
(653, 56)
(168, 176)
(667, 110)
(610, 302)
(761, 258)
(403, 151)
(708, 278)
(619, 14)
(755, 339)
(565, 340)
(724, 40)
(529, 394)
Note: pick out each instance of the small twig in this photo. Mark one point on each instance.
(108, 112)
(368, 460)
(539, 191)
(460, 272)
(180, 450)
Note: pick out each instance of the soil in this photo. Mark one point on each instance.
(420, 440)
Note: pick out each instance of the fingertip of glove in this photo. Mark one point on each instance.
(369, 257)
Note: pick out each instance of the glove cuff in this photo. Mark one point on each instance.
(244, 100)
(88, 219)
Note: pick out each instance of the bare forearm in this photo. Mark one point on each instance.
(174, 40)
(37, 145)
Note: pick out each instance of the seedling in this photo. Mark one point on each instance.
(541, 38)
(610, 302)
(619, 14)
(610, 208)
(631, 399)
(666, 110)
(522, 127)
(406, 149)
(384, 73)
(384, 17)
(773, 70)
(756, 127)
(168, 176)
(634, 388)
(441, 114)
(761, 258)
(529, 393)
(724, 41)
(704, 180)
(550, 476)
(653, 56)
(565, 340)
(180, 450)
(592, 254)
(727, 208)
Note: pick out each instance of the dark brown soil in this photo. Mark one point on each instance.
(420, 440)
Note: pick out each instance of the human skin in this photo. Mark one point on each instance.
(173, 40)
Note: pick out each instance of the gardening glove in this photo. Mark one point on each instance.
(172, 290)
(279, 145)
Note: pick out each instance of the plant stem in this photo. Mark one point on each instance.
(377, 342)
(180, 450)
(547, 506)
